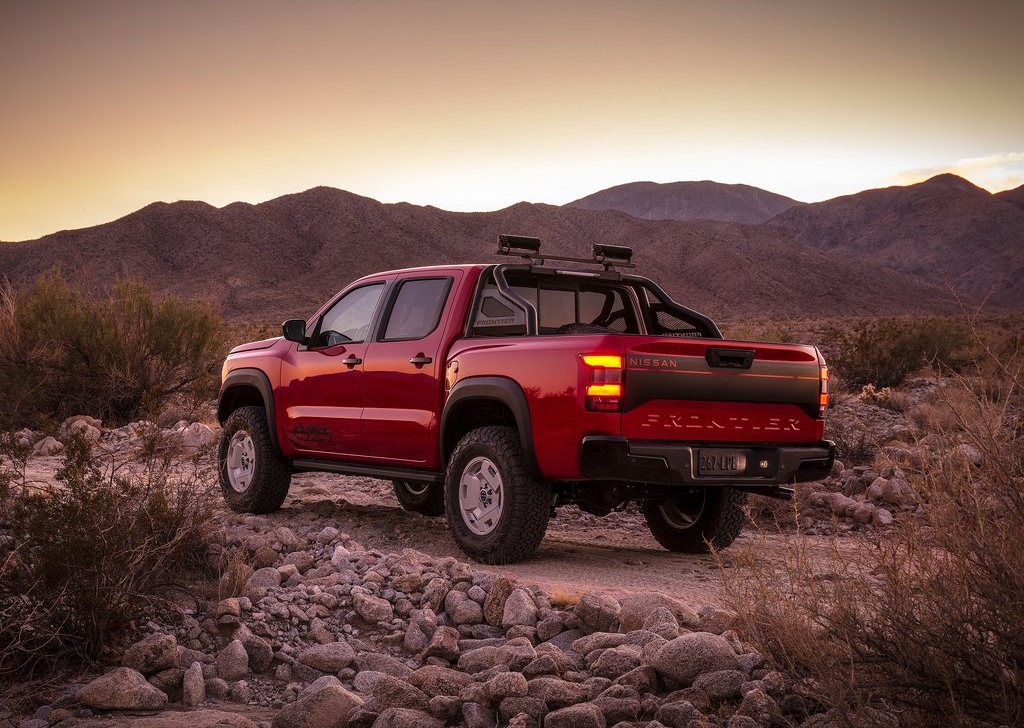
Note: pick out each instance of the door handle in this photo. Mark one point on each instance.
(351, 361)
(420, 360)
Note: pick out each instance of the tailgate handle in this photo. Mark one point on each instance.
(730, 358)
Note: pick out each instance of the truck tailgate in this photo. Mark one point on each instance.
(710, 390)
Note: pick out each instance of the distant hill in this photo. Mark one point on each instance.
(1014, 196)
(689, 201)
(281, 258)
(945, 230)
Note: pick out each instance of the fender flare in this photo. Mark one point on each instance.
(258, 380)
(501, 389)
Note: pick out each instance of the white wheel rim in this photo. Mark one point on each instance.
(683, 516)
(241, 461)
(481, 495)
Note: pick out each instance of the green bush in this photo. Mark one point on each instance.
(885, 352)
(118, 356)
(80, 559)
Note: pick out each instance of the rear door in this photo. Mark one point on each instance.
(710, 390)
(402, 388)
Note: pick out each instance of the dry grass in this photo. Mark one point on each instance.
(927, 622)
(563, 599)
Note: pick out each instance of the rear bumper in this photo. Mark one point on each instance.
(674, 463)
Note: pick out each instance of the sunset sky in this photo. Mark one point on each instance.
(107, 106)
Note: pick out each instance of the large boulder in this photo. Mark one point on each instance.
(48, 446)
(685, 658)
(121, 689)
(261, 581)
(152, 654)
(328, 706)
(330, 657)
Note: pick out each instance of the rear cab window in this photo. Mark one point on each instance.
(565, 305)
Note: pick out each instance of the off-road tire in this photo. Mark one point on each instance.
(272, 475)
(526, 500)
(424, 498)
(718, 524)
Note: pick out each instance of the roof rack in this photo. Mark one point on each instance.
(525, 246)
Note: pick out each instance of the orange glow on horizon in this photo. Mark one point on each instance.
(111, 105)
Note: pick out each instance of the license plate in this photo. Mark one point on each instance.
(721, 462)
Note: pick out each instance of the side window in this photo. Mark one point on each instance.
(348, 321)
(417, 308)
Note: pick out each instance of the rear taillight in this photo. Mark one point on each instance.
(604, 390)
(823, 402)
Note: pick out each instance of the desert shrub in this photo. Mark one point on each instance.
(80, 558)
(927, 622)
(116, 356)
(884, 352)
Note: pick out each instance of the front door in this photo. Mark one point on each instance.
(401, 373)
(322, 382)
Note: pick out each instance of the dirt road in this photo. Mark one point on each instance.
(580, 552)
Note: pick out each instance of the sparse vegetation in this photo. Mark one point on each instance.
(117, 356)
(928, 621)
(884, 352)
(81, 559)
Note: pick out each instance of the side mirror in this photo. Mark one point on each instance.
(294, 330)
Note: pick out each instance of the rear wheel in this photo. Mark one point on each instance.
(692, 521)
(497, 511)
(425, 498)
(254, 478)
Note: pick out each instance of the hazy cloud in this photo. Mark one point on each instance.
(994, 172)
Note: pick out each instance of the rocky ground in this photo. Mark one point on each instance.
(350, 612)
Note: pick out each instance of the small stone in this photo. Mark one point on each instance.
(406, 718)
(721, 685)
(494, 604)
(444, 644)
(331, 657)
(233, 661)
(327, 707)
(193, 687)
(152, 654)
(506, 685)
(519, 609)
(586, 715)
(693, 654)
(48, 446)
(372, 609)
(597, 612)
(121, 689)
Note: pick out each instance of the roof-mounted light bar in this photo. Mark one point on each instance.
(613, 254)
(518, 245)
(528, 247)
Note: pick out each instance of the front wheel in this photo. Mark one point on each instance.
(698, 519)
(254, 478)
(424, 498)
(497, 511)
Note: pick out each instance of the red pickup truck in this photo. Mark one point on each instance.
(494, 393)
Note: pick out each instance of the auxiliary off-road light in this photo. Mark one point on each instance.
(604, 392)
(824, 392)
